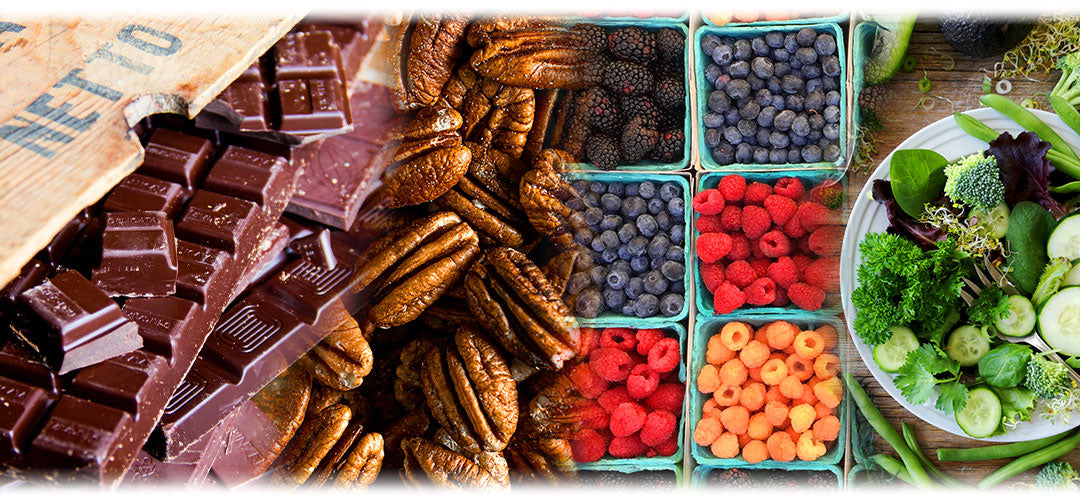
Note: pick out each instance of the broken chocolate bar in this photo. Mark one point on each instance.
(138, 255)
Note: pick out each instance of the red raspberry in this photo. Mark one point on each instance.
(708, 202)
(830, 192)
(783, 272)
(812, 216)
(627, 419)
(669, 447)
(586, 381)
(755, 249)
(781, 298)
(793, 228)
(740, 273)
(806, 297)
(826, 240)
(712, 275)
(709, 224)
(781, 208)
(756, 193)
(627, 447)
(642, 381)
(803, 245)
(733, 187)
(727, 298)
(774, 244)
(618, 338)
(761, 266)
(588, 446)
(664, 356)
(731, 218)
(669, 377)
(755, 221)
(801, 261)
(613, 397)
(712, 247)
(610, 364)
(588, 341)
(659, 427)
(667, 397)
(761, 292)
(592, 416)
(823, 273)
(647, 338)
(790, 187)
(740, 247)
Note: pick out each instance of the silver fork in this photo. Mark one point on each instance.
(1033, 339)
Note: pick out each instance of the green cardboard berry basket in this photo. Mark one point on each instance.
(647, 165)
(677, 468)
(627, 177)
(699, 479)
(704, 87)
(862, 44)
(702, 296)
(644, 463)
(840, 17)
(683, 18)
(707, 327)
(868, 476)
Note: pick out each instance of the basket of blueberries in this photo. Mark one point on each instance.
(770, 95)
(633, 263)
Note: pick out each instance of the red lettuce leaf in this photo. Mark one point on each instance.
(902, 224)
(1025, 171)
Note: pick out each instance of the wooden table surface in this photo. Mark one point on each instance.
(962, 87)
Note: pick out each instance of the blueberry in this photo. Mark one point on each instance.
(759, 46)
(756, 83)
(798, 140)
(669, 190)
(744, 153)
(791, 83)
(675, 254)
(718, 101)
(709, 43)
(774, 39)
(778, 140)
(763, 97)
(635, 286)
(830, 84)
(656, 206)
(617, 279)
(597, 244)
(672, 270)
(664, 220)
(676, 233)
(810, 72)
(815, 101)
(616, 188)
(712, 72)
(578, 282)
(831, 131)
(646, 305)
(575, 204)
(639, 263)
(738, 89)
(713, 119)
(591, 199)
(624, 254)
(598, 275)
(832, 114)
(597, 187)
(761, 156)
(780, 55)
(677, 287)
(749, 110)
(811, 153)
(806, 56)
(830, 66)
(731, 117)
(750, 141)
(794, 155)
(831, 153)
(633, 207)
(813, 85)
(609, 239)
(791, 43)
(588, 304)
(713, 136)
(795, 103)
(658, 246)
(655, 283)
(825, 44)
(800, 126)
(676, 207)
(580, 185)
(610, 222)
(647, 226)
(816, 122)
(762, 138)
(620, 264)
(609, 255)
(722, 54)
(815, 135)
(732, 135)
(627, 232)
(762, 67)
(795, 65)
(778, 102)
(832, 98)
(773, 85)
(783, 120)
(743, 50)
(746, 127)
(824, 144)
(739, 69)
(806, 37)
(671, 304)
(614, 299)
(778, 156)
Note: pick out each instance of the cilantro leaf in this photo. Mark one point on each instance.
(933, 359)
(915, 382)
(952, 398)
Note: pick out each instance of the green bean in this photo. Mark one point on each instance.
(892, 466)
(996, 451)
(1064, 163)
(909, 438)
(1028, 121)
(1066, 112)
(886, 431)
(975, 128)
(1031, 460)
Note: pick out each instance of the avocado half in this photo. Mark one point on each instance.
(979, 35)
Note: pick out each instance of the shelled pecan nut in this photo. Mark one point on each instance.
(323, 397)
(412, 424)
(449, 312)
(544, 197)
(311, 443)
(343, 358)
(487, 197)
(407, 384)
(285, 401)
(533, 458)
(520, 308)
(425, 51)
(430, 463)
(534, 53)
(425, 157)
(353, 462)
(554, 411)
(559, 268)
(470, 392)
(495, 115)
(411, 268)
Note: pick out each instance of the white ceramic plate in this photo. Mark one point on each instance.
(867, 215)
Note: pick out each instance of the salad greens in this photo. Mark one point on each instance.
(918, 176)
(1025, 170)
(1004, 366)
(1029, 228)
(920, 375)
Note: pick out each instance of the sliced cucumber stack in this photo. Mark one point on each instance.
(967, 345)
(981, 415)
(1021, 318)
(892, 355)
(1064, 240)
(1059, 321)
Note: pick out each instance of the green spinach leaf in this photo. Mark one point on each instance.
(918, 177)
(1016, 404)
(1029, 228)
(1005, 365)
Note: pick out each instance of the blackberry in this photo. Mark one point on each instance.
(669, 148)
(632, 107)
(627, 78)
(603, 151)
(637, 140)
(632, 44)
(669, 94)
(670, 45)
(603, 110)
(593, 37)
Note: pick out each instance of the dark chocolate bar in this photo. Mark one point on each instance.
(138, 255)
(252, 443)
(316, 248)
(190, 470)
(138, 193)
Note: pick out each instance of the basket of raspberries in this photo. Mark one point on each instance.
(767, 243)
(632, 395)
(767, 394)
(637, 114)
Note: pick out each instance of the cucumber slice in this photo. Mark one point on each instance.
(981, 415)
(967, 345)
(996, 219)
(1072, 277)
(890, 44)
(891, 355)
(1059, 321)
(1064, 240)
(1021, 318)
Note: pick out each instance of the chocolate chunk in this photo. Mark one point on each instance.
(139, 192)
(247, 98)
(217, 221)
(161, 321)
(311, 106)
(17, 363)
(21, 406)
(176, 157)
(62, 242)
(77, 434)
(138, 255)
(252, 444)
(315, 248)
(31, 275)
(245, 173)
(200, 271)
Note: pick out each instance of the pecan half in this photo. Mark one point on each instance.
(559, 268)
(449, 312)
(285, 400)
(470, 392)
(321, 398)
(425, 158)
(411, 268)
(534, 53)
(534, 458)
(407, 384)
(343, 358)
(544, 197)
(554, 411)
(353, 462)
(429, 463)
(312, 442)
(426, 52)
(495, 115)
(412, 424)
(520, 308)
(487, 197)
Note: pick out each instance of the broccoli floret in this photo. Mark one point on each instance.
(975, 181)
(1068, 86)
(1057, 475)
(1046, 378)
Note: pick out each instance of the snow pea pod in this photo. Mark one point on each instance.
(975, 128)
(1066, 112)
(1028, 121)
